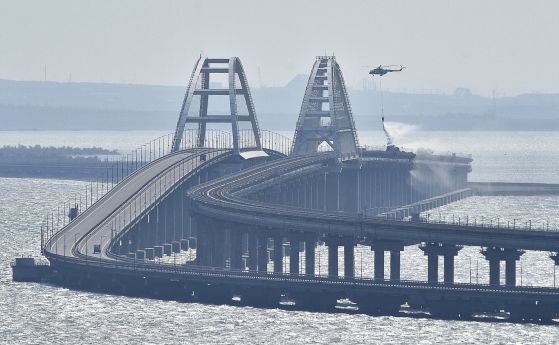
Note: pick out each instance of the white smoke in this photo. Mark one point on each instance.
(398, 131)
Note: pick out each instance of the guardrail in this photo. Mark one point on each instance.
(119, 169)
(165, 189)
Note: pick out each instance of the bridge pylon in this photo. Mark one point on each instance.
(194, 108)
(326, 115)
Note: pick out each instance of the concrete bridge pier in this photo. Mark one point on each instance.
(310, 192)
(348, 242)
(192, 231)
(381, 246)
(252, 251)
(319, 192)
(151, 219)
(332, 190)
(236, 250)
(176, 215)
(300, 193)
(278, 254)
(218, 244)
(310, 254)
(203, 243)
(262, 252)
(133, 242)
(143, 233)
(182, 216)
(168, 219)
(448, 252)
(349, 189)
(290, 193)
(158, 224)
(332, 242)
(283, 194)
(349, 257)
(495, 255)
(124, 247)
(306, 191)
(294, 248)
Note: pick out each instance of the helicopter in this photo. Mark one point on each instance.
(382, 70)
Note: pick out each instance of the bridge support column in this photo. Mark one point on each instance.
(395, 265)
(332, 244)
(310, 255)
(145, 228)
(349, 258)
(202, 247)
(379, 265)
(332, 191)
(252, 251)
(133, 241)
(432, 268)
(448, 252)
(151, 228)
(449, 268)
(495, 255)
(218, 257)
(381, 246)
(278, 254)
(262, 252)
(307, 192)
(236, 238)
(159, 225)
(167, 220)
(349, 189)
(494, 271)
(510, 272)
(294, 246)
(315, 188)
(124, 245)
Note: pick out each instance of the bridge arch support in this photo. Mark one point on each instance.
(326, 115)
(194, 110)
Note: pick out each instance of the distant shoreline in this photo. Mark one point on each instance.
(80, 173)
(94, 106)
(62, 162)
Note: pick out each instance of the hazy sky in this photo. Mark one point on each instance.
(507, 46)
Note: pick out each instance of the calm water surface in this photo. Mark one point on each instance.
(37, 314)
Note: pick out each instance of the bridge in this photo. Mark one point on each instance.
(246, 202)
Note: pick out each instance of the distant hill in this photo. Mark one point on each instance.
(29, 105)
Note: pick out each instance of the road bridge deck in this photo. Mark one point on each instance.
(122, 205)
(223, 199)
